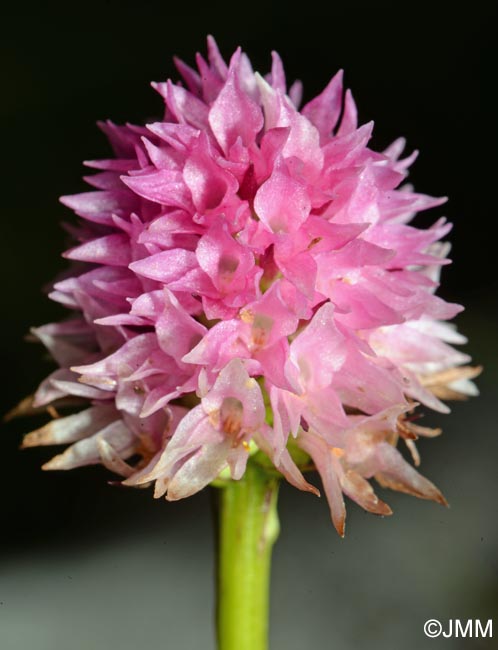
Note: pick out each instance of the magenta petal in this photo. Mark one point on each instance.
(324, 110)
(207, 181)
(234, 115)
(166, 266)
(282, 203)
(113, 250)
(190, 76)
(227, 262)
(215, 59)
(177, 332)
(222, 343)
(163, 187)
(100, 206)
(277, 73)
(184, 106)
(296, 93)
(349, 120)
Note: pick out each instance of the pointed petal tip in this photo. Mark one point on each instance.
(140, 481)
(474, 371)
(173, 495)
(24, 407)
(340, 526)
(439, 498)
(33, 439)
(383, 509)
(55, 463)
(66, 200)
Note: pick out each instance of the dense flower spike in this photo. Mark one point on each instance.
(246, 282)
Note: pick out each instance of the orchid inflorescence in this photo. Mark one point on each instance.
(246, 284)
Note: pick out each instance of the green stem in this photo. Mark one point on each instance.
(248, 528)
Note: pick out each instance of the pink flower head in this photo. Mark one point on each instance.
(246, 281)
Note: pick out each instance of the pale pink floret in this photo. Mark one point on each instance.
(211, 436)
(245, 277)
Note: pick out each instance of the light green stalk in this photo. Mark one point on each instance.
(248, 528)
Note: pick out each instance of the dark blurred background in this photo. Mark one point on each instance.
(85, 565)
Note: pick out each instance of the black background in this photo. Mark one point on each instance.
(422, 70)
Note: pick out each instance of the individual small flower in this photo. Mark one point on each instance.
(215, 432)
(245, 281)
